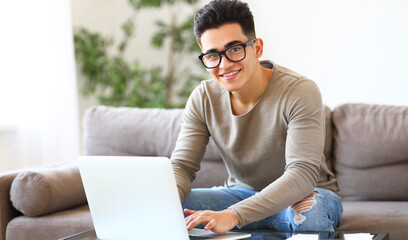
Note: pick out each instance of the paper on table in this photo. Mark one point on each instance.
(304, 237)
(358, 236)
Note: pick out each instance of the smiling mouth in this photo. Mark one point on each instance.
(230, 74)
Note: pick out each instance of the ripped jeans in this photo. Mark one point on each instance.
(320, 211)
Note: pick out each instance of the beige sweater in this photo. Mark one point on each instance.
(276, 148)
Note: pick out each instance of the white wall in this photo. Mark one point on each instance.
(356, 50)
(38, 97)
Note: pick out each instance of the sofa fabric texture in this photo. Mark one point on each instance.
(131, 132)
(371, 150)
(55, 225)
(38, 192)
(366, 147)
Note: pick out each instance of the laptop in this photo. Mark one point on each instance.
(137, 198)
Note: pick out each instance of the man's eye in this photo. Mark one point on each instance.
(211, 56)
(235, 49)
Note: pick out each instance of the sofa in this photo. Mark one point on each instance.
(366, 146)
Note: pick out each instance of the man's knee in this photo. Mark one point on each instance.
(309, 215)
(303, 206)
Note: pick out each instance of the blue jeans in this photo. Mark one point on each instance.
(324, 212)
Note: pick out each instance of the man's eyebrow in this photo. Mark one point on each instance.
(230, 44)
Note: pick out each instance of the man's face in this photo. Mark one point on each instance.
(232, 76)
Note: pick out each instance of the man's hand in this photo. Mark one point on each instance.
(216, 221)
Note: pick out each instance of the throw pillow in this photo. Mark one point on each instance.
(41, 191)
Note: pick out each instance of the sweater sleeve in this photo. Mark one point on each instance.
(303, 112)
(191, 143)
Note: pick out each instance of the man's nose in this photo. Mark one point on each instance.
(225, 62)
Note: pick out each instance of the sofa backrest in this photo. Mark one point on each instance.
(370, 151)
(125, 131)
(122, 131)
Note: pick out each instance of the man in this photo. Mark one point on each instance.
(268, 123)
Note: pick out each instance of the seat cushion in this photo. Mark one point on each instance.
(376, 216)
(52, 226)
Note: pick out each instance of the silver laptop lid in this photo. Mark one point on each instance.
(132, 197)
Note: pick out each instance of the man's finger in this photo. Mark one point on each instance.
(189, 212)
(188, 220)
(193, 222)
(193, 218)
(210, 225)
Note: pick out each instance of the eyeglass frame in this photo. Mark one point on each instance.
(224, 52)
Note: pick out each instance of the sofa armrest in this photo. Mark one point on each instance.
(7, 211)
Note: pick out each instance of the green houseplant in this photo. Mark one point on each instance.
(117, 82)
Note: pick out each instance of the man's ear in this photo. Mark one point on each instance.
(259, 47)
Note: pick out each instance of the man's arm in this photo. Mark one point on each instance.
(303, 153)
(191, 144)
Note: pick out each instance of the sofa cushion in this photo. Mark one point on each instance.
(135, 132)
(41, 191)
(52, 226)
(370, 151)
(376, 216)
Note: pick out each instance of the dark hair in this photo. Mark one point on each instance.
(220, 12)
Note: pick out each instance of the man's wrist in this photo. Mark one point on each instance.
(234, 216)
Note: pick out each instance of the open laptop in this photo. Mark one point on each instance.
(136, 198)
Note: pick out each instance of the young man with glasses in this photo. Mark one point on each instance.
(268, 123)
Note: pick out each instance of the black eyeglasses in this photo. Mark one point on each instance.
(234, 53)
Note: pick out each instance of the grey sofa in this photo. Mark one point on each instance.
(366, 146)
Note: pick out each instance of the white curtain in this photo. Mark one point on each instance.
(38, 93)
